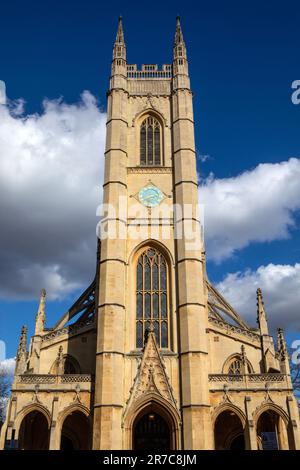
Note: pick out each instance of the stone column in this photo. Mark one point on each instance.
(250, 430)
(108, 404)
(191, 291)
(293, 426)
(54, 440)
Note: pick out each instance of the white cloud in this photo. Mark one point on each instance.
(51, 173)
(8, 366)
(255, 206)
(281, 290)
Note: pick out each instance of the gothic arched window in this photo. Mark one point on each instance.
(152, 304)
(236, 366)
(150, 142)
(65, 364)
(70, 366)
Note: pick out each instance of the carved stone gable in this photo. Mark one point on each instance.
(151, 377)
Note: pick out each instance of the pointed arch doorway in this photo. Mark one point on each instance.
(151, 431)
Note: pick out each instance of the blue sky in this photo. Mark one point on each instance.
(243, 59)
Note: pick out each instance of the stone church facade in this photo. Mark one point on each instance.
(151, 356)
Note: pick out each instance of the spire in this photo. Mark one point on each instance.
(41, 315)
(178, 34)
(120, 33)
(22, 353)
(261, 314)
(119, 46)
(118, 66)
(180, 63)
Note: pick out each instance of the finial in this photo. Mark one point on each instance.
(23, 339)
(178, 34)
(60, 361)
(260, 302)
(120, 33)
(281, 346)
(282, 353)
(243, 354)
(41, 315)
(24, 330)
(261, 313)
(149, 329)
(21, 353)
(259, 292)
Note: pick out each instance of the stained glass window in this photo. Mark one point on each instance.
(152, 297)
(150, 142)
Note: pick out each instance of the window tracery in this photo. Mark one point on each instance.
(150, 142)
(152, 297)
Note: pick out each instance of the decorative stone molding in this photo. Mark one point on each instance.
(225, 378)
(151, 378)
(250, 377)
(148, 104)
(149, 71)
(231, 329)
(68, 330)
(53, 379)
(266, 377)
(155, 86)
(147, 170)
(269, 404)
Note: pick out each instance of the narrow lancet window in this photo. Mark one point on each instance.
(150, 142)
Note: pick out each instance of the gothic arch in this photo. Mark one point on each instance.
(137, 124)
(71, 361)
(70, 409)
(229, 424)
(271, 418)
(231, 358)
(79, 437)
(139, 117)
(28, 409)
(154, 402)
(151, 242)
(133, 263)
(272, 407)
(32, 427)
(231, 408)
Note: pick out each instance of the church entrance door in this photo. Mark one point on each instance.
(151, 432)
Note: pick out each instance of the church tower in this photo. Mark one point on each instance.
(152, 276)
(151, 356)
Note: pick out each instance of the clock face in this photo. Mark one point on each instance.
(150, 196)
